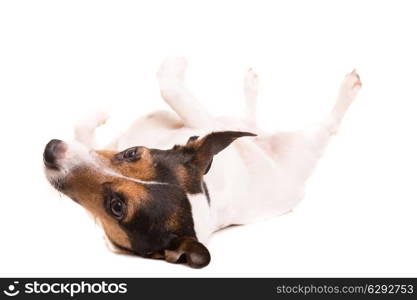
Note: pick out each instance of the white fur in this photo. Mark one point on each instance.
(254, 178)
(203, 221)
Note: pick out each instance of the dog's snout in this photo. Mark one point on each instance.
(53, 151)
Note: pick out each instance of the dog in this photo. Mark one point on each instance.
(193, 173)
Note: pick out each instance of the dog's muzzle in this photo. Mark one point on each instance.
(54, 150)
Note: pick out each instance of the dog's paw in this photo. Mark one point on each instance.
(172, 69)
(99, 118)
(251, 81)
(350, 85)
(93, 120)
(84, 129)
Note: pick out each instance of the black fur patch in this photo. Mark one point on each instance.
(148, 231)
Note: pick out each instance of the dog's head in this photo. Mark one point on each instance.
(140, 194)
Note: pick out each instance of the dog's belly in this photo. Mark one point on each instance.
(244, 192)
(244, 184)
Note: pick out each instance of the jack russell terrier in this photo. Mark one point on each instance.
(163, 201)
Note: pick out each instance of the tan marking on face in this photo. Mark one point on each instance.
(142, 169)
(182, 176)
(172, 222)
(115, 233)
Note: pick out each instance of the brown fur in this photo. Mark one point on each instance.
(142, 169)
(182, 174)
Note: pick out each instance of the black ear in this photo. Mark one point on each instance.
(211, 144)
(189, 251)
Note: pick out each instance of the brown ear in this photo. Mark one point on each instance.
(188, 250)
(211, 144)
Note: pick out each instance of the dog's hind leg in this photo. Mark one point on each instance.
(300, 150)
(251, 97)
(349, 88)
(248, 122)
(84, 131)
(171, 77)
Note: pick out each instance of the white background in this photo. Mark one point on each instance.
(60, 60)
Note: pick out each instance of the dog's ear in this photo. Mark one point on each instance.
(189, 251)
(206, 147)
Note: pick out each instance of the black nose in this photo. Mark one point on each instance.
(50, 154)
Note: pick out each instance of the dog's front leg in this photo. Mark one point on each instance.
(173, 90)
(84, 131)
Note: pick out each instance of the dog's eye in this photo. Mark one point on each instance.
(131, 154)
(117, 208)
